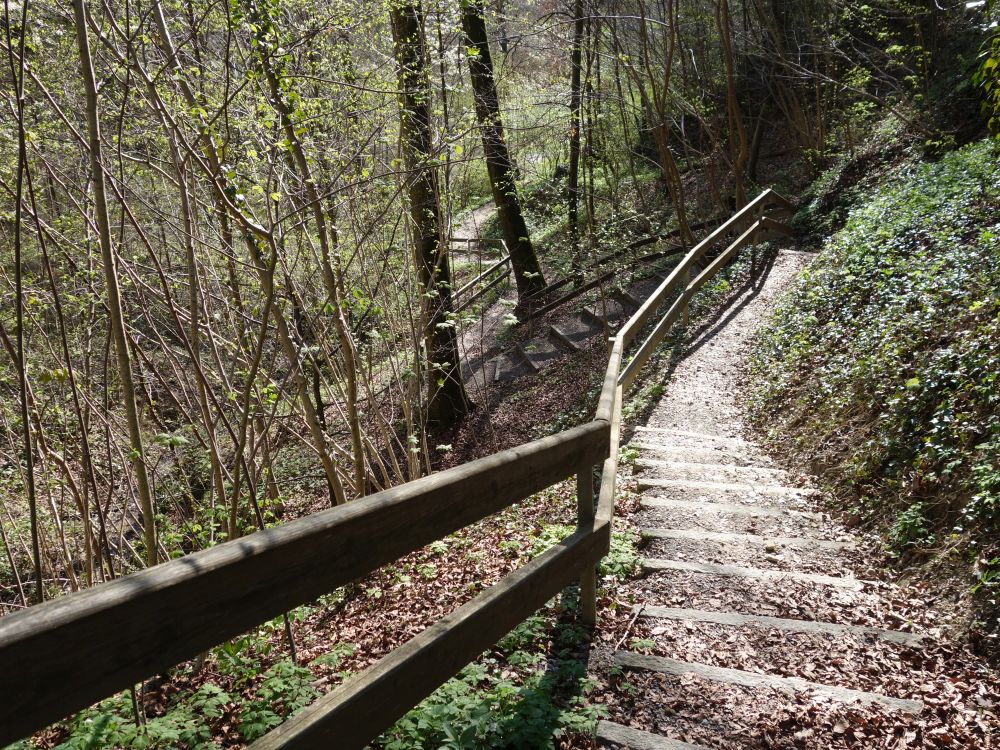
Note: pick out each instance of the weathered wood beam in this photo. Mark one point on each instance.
(75, 650)
(631, 329)
(359, 710)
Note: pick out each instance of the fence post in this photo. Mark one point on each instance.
(685, 280)
(585, 517)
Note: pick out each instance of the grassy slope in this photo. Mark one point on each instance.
(882, 367)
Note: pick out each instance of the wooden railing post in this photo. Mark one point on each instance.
(685, 280)
(585, 518)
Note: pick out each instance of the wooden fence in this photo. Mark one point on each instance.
(499, 271)
(64, 655)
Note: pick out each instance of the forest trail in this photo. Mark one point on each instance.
(476, 339)
(759, 620)
(470, 227)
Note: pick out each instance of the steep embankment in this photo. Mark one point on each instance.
(882, 369)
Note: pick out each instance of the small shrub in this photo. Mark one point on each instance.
(910, 529)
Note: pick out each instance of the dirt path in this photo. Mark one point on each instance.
(470, 226)
(476, 339)
(760, 621)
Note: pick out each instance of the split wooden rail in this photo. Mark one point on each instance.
(66, 654)
(499, 271)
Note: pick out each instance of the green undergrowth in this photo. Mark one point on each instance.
(531, 688)
(882, 366)
(251, 691)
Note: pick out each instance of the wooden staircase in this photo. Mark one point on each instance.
(711, 493)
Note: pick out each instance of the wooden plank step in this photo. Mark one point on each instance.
(636, 739)
(576, 330)
(714, 536)
(754, 680)
(735, 571)
(512, 365)
(540, 352)
(607, 310)
(576, 344)
(631, 299)
(648, 483)
(778, 623)
(751, 472)
(719, 456)
(736, 508)
(728, 439)
(481, 378)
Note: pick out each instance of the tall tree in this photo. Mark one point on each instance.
(575, 108)
(446, 398)
(109, 263)
(651, 70)
(738, 146)
(527, 272)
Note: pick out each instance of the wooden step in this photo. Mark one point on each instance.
(481, 378)
(704, 436)
(574, 344)
(760, 574)
(778, 623)
(773, 490)
(607, 310)
(735, 473)
(636, 739)
(540, 352)
(512, 365)
(699, 535)
(664, 665)
(577, 330)
(630, 299)
(718, 456)
(736, 508)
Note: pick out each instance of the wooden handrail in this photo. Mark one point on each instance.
(642, 315)
(483, 291)
(126, 630)
(359, 710)
(465, 287)
(615, 254)
(62, 656)
(679, 305)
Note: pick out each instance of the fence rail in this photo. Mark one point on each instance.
(500, 271)
(62, 656)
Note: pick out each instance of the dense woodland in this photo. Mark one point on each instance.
(228, 282)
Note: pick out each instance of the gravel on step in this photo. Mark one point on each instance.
(767, 556)
(782, 598)
(850, 661)
(697, 517)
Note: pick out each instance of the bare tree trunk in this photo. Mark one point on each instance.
(575, 106)
(527, 271)
(446, 398)
(111, 280)
(737, 132)
(654, 95)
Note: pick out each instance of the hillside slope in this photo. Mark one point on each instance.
(881, 369)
